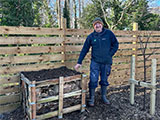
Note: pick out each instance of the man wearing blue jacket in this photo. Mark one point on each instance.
(103, 45)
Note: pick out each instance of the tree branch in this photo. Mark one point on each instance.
(122, 14)
(104, 14)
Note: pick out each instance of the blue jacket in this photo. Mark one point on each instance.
(104, 46)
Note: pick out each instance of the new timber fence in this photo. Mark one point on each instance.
(34, 48)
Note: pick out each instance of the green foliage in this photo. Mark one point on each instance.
(137, 11)
(16, 13)
(27, 13)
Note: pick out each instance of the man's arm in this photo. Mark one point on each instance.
(114, 44)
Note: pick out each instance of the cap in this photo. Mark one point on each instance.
(97, 19)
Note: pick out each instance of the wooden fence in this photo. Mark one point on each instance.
(32, 49)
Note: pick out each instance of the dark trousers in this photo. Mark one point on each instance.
(97, 69)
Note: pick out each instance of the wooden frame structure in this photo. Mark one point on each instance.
(30, 101)
(151, 85)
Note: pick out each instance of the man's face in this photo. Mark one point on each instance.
(98, 27)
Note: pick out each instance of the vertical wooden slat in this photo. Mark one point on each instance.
(60, 109)
(83, 99)
(132, 85)
(135, 28)
(23, 96)
(33, 99)
(153, 91)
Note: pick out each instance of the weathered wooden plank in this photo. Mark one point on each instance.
(33, 100)
(9, 99)
(75, 39)
(141, 69)
(53, 98)
(151, 57)
(151, 39)
(30, 30)
(127, 46)
(55, 113)
(150, 45)
(30, 58)
(126, 39)
(31, 40)
(33, 49)
(60, 99)
(120, 73)
(78, 31)
(9, 89)
(141, 33)
(116, 32)
(35, 67)
(119, 80)
(83, 94)
(69, 48)
(11, 79)
(149, 51)
(55, 81)
(121, 60)
(9, 107)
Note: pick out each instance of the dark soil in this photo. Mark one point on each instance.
(120, 108)
(49, 74)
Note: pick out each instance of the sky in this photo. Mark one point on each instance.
(155, 3)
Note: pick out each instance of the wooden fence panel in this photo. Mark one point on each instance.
(34, 48)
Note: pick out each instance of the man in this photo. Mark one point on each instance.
(104, 45)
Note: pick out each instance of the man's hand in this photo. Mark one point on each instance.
(77, 66)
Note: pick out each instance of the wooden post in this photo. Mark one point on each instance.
(83, 103)
(64, 39)
(153, 92)
(132, 85)
(33, 99)
(60, 109)
(135, 28)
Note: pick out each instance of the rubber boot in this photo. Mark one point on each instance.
(91, 95)
(103, 95)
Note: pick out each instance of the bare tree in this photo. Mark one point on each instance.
(143, 48)
(121, 17)
(58, 4)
